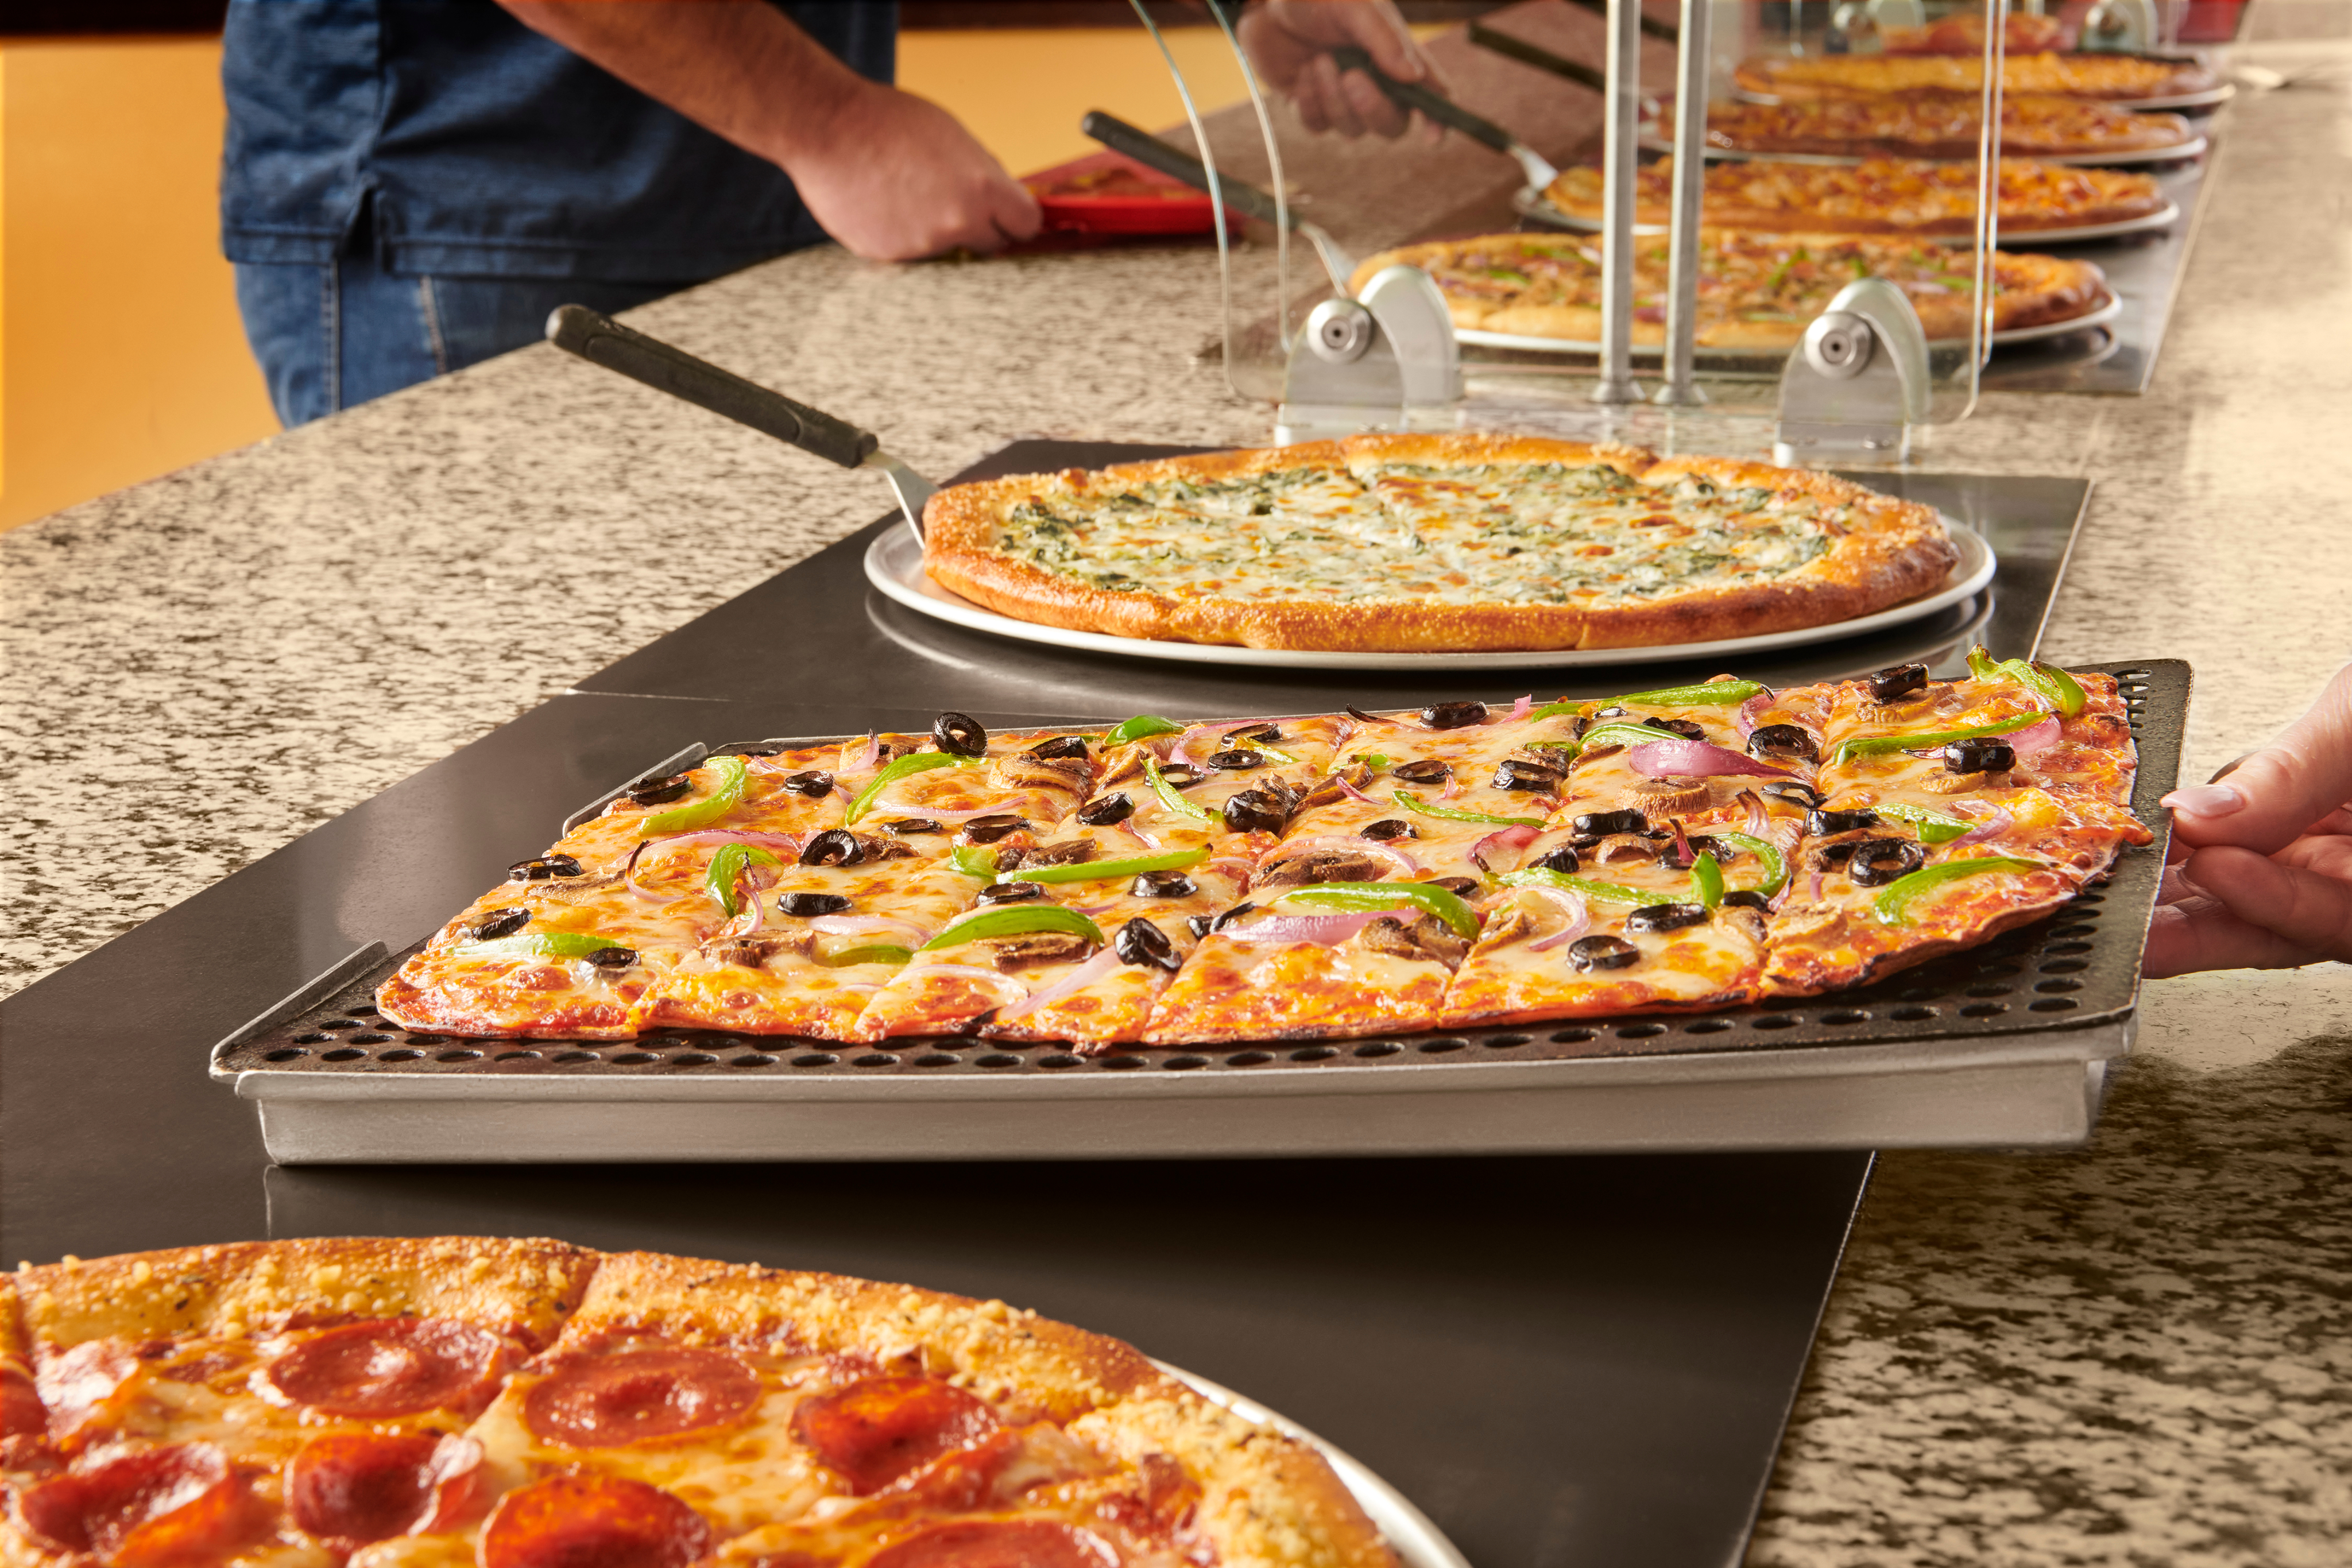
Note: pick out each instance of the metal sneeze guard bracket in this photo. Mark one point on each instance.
(1384, 361)
(1856, 384)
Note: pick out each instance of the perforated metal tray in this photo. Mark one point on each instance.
(2004, 1044)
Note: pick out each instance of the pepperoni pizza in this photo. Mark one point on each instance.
(372, 1403)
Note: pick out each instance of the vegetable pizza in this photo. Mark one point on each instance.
(1882, 195)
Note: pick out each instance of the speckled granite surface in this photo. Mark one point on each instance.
(2134, 1354)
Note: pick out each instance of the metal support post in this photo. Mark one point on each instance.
(1619, 199)
(1682, 390)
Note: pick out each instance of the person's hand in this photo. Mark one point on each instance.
(895, 177)
(2261, 857)
(1290, 44)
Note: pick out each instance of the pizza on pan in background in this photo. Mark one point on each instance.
(1333, 874)
(1884, 196)
(1756, 289)
(2027, 35)
(1934, 125)
(472, 1402)
(2121, 78)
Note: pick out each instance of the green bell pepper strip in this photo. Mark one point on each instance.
(546, 944)
(724, 797)
(1412, 802)
(1693, 696)
(871, 953)
(1014, 922)
(1360, 896)
(1707, 881)
(1894, 900)
(729, 863)
(1372, 759)
(2051, 684)
(899, 767)
(1880, 745)
(972, 860)
(1776, 868)
(1552, 710)
(1582, 886)
(1169, 797)
(1981, 663)
(1108, 871)
(1619, 733)
(1935, 828)
(1140, 726)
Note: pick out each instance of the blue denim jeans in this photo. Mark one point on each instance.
(330, 336)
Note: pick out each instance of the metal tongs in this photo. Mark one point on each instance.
(1446, 113)
(601, 340)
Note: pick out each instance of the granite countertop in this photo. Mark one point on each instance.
(2136, 1354)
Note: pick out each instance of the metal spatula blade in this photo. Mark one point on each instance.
(601, 340)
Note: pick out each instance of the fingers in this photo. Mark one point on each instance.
(1323, 76)
(2184, 938)
(1016, 214)
(2274, 796)
(2306, 909)
(1380, 27)
(1376, 110)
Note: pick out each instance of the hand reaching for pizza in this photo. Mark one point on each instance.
(899, 177)
(1290, 43)
(2261, 857)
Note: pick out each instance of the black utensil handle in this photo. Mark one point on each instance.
(601, 340)
(1527, 54)
(1438, 107)
(1153, 153)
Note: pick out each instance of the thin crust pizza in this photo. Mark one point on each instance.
(365, 1403)
(1757, 290)
(1330, 875)
(1934, 125)
(2112, 78)
(1882, 195)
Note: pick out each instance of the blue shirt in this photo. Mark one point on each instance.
(480, 148)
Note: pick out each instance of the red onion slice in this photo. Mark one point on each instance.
(629, 877)
(1241, 870)
(1350, 842)
(1749, 712)
(1519, 710)
(1146, 839)
(2036, 737)
(1814, 892)
(1758, 819)
(747, 919)
(1992, 827)
(1580, 917)
(870, 758)
(1512, 838)
(858, 925)
(1323, 930)
(1078, 979)
(1681, 759)
(1183, 749)
(1351, 791)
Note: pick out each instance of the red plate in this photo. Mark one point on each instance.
(1105, 194)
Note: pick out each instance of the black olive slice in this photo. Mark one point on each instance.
(1181, 776)
(1896, 681)
(1605, 823)
(1011, 893)
(655, 791)
(499, 923)
(1430, 771)
(1562, 860)
(802, 906)
(541, 867)
(902, 826)
(1590, 953)
(1519, 773)
(1747, 898)
(1229, 915)
(960, 734)
(1666, 916)
(1689, 729)
(1614, 711)
(1110, 808)
(1255, 811)
(1821, 823)
(1367, 718)
(1048, 750)
(613, 957)
(1236, 760)
(1163, 884)
(1454, 715)
(835, 846)
(1982, 754)
(1835, 855)
(815, 781)
(1803, 795)
(1389, 828)
(1876, 862)
(1672, 855)
(747, 749)
(1782, 740)
(1140, 942)
(1255, 735)
(988, 830)
(1459, 886)
(1199, 925)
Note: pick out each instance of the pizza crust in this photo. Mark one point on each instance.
(1867, 198)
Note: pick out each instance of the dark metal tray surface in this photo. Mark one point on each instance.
(2073, 969)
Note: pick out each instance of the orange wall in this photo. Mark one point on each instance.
(121, 354)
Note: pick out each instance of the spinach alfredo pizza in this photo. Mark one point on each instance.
(1330, 875)
(1434, 543)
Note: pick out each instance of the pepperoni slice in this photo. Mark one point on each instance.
(603, 1401)
(878, 1428)
(359, 1487)
(78, 1384)
(161, 1506)
(593, 1521)
(22, 1413)
(999, 1543)
(396, 1366)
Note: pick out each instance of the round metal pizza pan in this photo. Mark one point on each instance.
(1651, 141)
(2203, 99)
(1530, 202)
(1418, 1542)
(894, 564)
(1472, 337)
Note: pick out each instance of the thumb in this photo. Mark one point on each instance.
(2270, 797)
